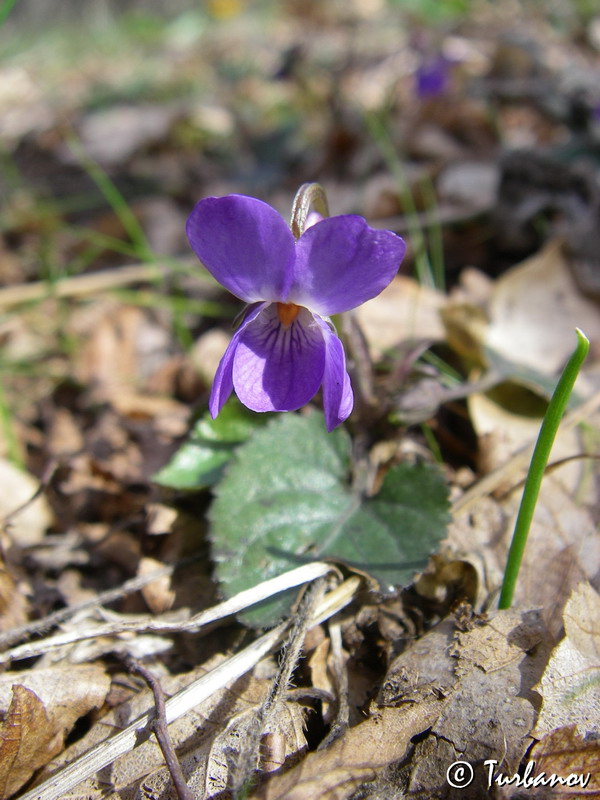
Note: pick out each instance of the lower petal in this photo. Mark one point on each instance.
(338, 398)
(278, 367)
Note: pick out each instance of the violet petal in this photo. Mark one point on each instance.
(341, 262)
(279, 367)
(223, 382)
(338, 398)
(245, 244)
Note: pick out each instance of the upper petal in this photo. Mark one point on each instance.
(341, 263)
(279, 367)
(245, 244)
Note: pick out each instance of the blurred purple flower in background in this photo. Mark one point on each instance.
(286, 348)
(432, 77)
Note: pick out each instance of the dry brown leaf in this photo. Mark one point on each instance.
(561, 532)
(404, 311)
(474, 538)
(191, 587)
(502, 432)
(499, 642)
(16, 488)
(64, 435)
(422, 670)
(465, 325)
(67, 693)
(582, 622)
(159, 595)
(570, 685)
(28, 740)
(287, 729)
(113, 135)
(208, 765)
(534, 310)
(207, 352)
(497, 666)
(487, 676)
(13, 603)
(125, 347)
(564, 752)
(355, 758)
(563, 546)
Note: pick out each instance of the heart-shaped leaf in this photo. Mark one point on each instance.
(285, 500)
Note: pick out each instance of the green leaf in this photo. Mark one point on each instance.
(285, 500)
(200, 461)
(392, 535)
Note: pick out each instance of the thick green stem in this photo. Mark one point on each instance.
(541, 453)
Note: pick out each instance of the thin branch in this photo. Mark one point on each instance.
(93, 283)
(160, 625)
(161, 730)
(245, 769)
(63, 614)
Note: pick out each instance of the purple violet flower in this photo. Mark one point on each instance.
(433, 77)
(286, 347)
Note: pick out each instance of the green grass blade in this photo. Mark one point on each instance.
(5, 8)
(116, 201)
(539, 460)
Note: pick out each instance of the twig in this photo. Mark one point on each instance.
(63, 614)
(49, 471)
(92, 283)
(157, 625)
(243, 772)
(161, 730)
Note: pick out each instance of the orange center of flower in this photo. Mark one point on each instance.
(287, 312)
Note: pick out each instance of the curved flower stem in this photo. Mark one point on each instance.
(537, 466)
(311, 196)
(308, 195)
